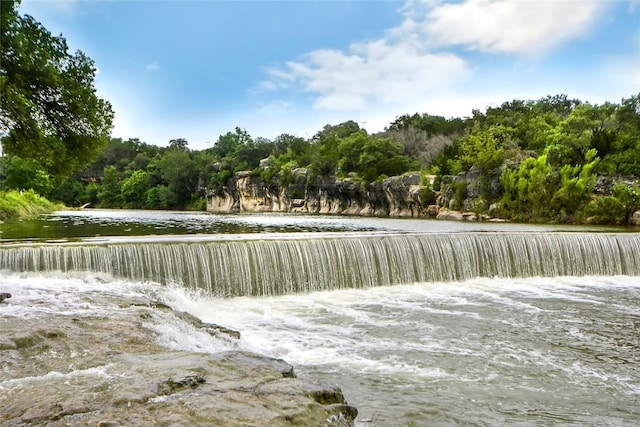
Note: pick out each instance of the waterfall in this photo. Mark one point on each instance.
(236, 267)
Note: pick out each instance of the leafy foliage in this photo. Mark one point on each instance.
(629, 197)
(26, 174)
(370, 158)
(606, 210)
(24, 204)
(49, 110)
(528, 189)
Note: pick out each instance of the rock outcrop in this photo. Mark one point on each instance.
(111, 369)
(462, 192)
(399, 196)
(467, 196)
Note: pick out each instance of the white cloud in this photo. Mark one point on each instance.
(153, 66)
(620, 79)
(380, 71)
(510, 26)
(274, 108)
(409, 65)
(267, 86)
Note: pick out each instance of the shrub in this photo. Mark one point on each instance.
(427, 195)
(24, 204)
(606, 210)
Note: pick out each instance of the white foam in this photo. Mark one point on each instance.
(72, 294)
(97, 372)
(89, 294)
(412, 333)
(339, 327)
(176, 334)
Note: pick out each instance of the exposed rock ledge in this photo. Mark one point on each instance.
(109, 370)
(396, 196)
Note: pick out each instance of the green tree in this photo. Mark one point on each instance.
(528, 189)
(90, 194)
(179, 144)
(26, 174)
(586, 127)
(109, 193)
(629, 197)
(134, 189)
(623, 156)
(325, 145)
(484, 148)
(177, 172)
(159, 197)
(297, 146)
(71, 192)
(230, 142)
(576, 186)
(49, 110)
(371, 157)
(606, 210)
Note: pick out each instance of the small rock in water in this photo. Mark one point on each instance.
(4, 296)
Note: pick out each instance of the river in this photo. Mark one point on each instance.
(485, 343)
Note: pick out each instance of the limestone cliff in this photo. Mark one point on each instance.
(396, 196)
(459, 197)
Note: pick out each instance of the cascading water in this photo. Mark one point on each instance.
(247, 267)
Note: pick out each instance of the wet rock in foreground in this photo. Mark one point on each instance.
(110, 370)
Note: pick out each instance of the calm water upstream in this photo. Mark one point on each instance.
(521, 346)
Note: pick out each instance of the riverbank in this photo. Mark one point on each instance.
(75, 354)
(24, 204)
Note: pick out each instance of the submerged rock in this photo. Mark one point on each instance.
(111, 370)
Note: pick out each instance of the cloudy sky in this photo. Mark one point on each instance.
(197, 69)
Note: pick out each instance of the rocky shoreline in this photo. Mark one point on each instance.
(112, 369)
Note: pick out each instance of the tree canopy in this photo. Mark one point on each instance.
(50, 112)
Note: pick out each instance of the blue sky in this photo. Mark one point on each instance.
(197, 69)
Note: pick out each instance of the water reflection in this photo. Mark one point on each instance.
(73, 225)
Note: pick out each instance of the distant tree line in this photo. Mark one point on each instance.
(546, 154)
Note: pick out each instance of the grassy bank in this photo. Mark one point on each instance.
(25, 204)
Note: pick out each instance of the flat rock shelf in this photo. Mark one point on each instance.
(109, 369)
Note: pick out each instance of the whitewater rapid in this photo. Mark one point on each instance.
(485, 351)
